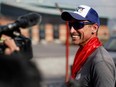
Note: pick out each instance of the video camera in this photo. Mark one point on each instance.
(13, 30)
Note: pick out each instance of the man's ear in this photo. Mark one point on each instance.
(94, 28)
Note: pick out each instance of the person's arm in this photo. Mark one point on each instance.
(103, 75)
(10, 43)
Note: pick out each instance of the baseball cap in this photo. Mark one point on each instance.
(83, 12)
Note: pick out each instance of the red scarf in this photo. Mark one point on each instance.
(83, 53)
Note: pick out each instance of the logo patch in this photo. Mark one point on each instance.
(80, 9)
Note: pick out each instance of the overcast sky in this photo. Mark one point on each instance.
(71, 3)
(77, 2)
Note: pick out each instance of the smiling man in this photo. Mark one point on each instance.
(92, 66)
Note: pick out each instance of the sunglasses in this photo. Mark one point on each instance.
(78, 25)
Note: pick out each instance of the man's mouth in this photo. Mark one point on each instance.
(75, 36)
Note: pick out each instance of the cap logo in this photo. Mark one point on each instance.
(82, 10)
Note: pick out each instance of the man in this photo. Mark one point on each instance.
(93, 66)
(10, 43)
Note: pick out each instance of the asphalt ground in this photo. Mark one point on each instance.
(51, 60)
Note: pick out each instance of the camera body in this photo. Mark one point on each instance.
(25, 46)
(22, 42)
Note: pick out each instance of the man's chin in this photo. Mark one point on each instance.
(75, 43)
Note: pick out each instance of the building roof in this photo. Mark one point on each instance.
(105, 8)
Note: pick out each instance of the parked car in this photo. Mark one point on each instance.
(111, 47)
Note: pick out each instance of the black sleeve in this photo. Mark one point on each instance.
(102, 75)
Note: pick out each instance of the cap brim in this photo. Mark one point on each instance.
(67, 16)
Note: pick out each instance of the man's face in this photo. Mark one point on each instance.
(81, 31)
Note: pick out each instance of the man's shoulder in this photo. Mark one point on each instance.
(102, 52)
(101, 55)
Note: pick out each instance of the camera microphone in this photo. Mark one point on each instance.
(24, 21)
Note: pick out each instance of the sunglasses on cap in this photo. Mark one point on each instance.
(78, 25)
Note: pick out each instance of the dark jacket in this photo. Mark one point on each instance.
(98, 71)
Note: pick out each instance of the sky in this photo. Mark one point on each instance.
(71, 3)
(77, 2)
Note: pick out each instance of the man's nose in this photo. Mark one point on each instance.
(72, 30)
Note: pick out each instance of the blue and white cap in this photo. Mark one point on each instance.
(83, 12)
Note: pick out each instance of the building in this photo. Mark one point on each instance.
(52, 27)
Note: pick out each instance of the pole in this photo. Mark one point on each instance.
(67, 47)
(67, 53)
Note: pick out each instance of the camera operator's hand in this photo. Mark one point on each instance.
(10, 43)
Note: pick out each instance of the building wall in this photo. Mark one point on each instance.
(49, 32)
